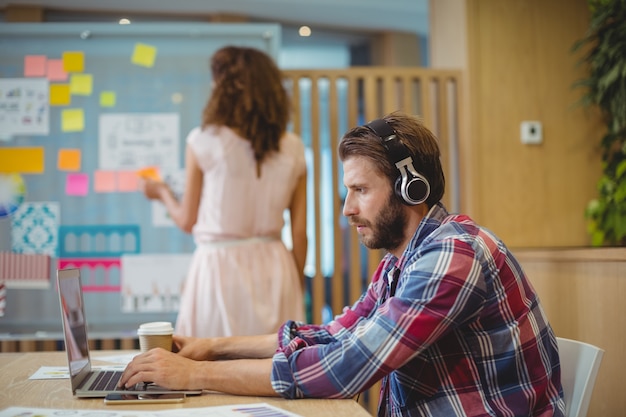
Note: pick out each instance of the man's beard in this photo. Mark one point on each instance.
(388, 228)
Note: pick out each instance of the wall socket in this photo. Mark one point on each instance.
(531, 132)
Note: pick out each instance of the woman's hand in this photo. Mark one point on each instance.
(152, 189)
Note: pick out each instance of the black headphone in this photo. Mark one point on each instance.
(411, 186)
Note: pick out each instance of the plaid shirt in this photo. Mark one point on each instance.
(452, 328)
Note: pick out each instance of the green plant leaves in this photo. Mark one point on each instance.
(605, 87)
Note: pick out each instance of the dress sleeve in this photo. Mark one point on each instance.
(203, 146)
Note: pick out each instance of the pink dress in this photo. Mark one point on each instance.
(242, 279)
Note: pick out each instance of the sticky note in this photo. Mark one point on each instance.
(22, 160)
(77, 184)
(55, 71)
(127, 181)
(60, 95)
(104, 181)
(73, 61)
(72, 120)
(144, 55)
(107, 99)
(149, 172)
(81, 84)
(35, 65)
(69, 159)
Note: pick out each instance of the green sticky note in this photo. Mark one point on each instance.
(107, 99)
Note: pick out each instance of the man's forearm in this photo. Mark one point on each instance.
(245, 347)
(239, 377)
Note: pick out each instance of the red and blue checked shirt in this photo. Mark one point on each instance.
(452, 328)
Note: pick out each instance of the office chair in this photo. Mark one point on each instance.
(579, 367)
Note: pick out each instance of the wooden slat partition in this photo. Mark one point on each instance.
(326, 104)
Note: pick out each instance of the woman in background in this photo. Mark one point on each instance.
(243, 170)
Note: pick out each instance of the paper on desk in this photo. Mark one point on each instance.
(120, 359)
(238, 410)
(61, 372)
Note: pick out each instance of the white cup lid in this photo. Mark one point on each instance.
(156, 327)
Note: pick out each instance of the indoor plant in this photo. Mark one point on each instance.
(606, 88)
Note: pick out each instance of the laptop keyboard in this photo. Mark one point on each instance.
(106, 381)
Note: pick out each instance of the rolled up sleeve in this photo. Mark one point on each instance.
(329, 361)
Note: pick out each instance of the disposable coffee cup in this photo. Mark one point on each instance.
(155, 334)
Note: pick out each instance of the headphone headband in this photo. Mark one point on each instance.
(396, 149)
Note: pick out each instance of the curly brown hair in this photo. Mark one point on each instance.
(249, 97)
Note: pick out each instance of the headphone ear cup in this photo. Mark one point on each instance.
(398, 189)
(416, 190)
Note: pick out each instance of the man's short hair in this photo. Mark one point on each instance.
(419, 141)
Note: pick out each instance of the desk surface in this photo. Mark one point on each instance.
(17, 390)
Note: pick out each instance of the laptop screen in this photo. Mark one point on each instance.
(74, 325)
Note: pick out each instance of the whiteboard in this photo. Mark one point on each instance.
(127, 109)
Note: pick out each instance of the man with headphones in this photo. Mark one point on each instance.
(450, 324)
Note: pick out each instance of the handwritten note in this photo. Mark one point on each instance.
(238, 410)
(131, 141)
(151, 283)
(24, 106)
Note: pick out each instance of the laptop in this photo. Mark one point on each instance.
(85, 381)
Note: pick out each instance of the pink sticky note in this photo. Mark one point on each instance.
(35, 66)
(127, 181)
(55, 71)
(77, 184)
(104, 181)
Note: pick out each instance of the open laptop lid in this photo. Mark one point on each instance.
(76, 338)
(74, 325)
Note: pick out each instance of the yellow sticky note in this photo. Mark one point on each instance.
(22, 160)
(69, 160)
(144, 55)
(81, 84)
(60, 95)
(72, 120)
(73, 61)
(107, 99)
